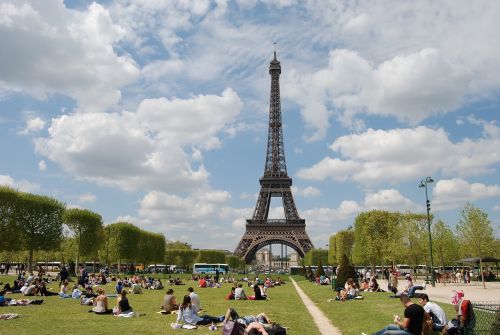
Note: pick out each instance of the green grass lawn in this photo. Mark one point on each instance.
(353, 317)
(67, 316)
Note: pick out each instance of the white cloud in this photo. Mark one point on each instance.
(453, 193)
(22, 185)
(87, 197)
(307, 192)
(204, 215)
(496, 208)
(151, 148)
(32, 126)
(74, 53)
(407, 61)
(389, 199)
(395, 155)
(42, 166)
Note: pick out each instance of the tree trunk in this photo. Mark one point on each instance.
(481, 270)
(442, 264)
(30, 261)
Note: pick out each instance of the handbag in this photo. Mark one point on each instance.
(231, 328)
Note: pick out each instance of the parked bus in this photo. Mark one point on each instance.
(205, 268)
(49, 266)
(161, 268)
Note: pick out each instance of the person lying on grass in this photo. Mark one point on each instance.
(188, 315)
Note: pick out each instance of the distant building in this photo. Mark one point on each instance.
(263, 256)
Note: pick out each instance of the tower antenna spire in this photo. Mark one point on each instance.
(275, 50)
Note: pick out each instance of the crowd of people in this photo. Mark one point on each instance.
(89, 290)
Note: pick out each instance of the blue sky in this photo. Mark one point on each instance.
(155, 112)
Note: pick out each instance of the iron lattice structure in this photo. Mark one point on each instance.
(261, 231)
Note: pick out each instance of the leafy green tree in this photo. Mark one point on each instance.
(332, 250)
(344, 242)
(87, 228)
(314, 256)
(345, 271)
(39, 221)
(414, 245)
(371, 233)
(211, 256)
(123, 242)
(9, 201)
(320, 271)
(476, 234)
(177, 245)
(444, 243)
(235, 262)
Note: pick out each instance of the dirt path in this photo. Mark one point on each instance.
(324, 325)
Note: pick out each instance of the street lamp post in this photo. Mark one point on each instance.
(424, 183)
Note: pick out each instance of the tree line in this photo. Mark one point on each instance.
(37, 227)
(386, 238)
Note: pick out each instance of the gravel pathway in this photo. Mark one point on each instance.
(324, 325)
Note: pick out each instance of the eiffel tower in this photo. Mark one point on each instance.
(261, 231)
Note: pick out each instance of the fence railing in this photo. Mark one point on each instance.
(487, 318)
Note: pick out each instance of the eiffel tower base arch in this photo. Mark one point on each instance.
(258, 236)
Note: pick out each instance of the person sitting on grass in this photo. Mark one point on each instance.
(439, 319)
(123, 306)
(412, 322)
(230, 295)
(64, 290)
(42, 289)
(365, 285)
(239, 293)
(101, 303)
(136, 288)
(195, 300)
(169, 303)
(188, 315)
(374, 287)
(348, 293)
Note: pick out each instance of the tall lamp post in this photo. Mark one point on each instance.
(424, 183)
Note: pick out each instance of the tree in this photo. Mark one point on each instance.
(39, 221)
(345, 271)
(444, 243)
(320, 271)
(87, 227)
(177, 245)
(9, 201)
(344, 242)
(314, 256)
(235, 262)
(371, 233)
(211, 256)
(332, 250)
(123, 242)
(476, 233)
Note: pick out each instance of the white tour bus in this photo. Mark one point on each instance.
(205, 268)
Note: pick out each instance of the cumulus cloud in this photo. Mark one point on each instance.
(87, 197)
(42, 166)
(204, 215)
(453, 193)
(395, 155)
(409, 67)
(150, 148)
(307, 192)
(74, 53)
(22, 185)
(32, 126)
